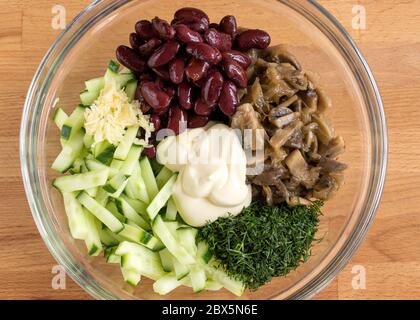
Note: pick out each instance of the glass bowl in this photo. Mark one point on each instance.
(320, 43)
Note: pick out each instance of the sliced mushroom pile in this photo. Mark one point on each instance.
(285, 109)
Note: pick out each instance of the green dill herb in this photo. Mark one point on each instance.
(263, 241)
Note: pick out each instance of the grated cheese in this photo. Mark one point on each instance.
(109, 116)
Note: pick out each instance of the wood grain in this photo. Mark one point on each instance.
(390, 254)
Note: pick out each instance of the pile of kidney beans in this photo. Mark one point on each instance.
(189, 70)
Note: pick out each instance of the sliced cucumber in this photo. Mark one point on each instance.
(81, 181)
(204, 255)
(198, 278)
(126, 143)
(95, 85)
(106, 217)
(110, 255)
(181, 270)
(137, 205)
(72, 149)
(162, 197)
(166, 259)
(60, 117)
(130, 213)
(167, 284)
(164, 175)
(132, 159)
(115, 183)
(73, 123)
(137, 235)
(112, 207)
(93, 240)
(171, 210)
(234, 286)
(162, 231)
(136, 188)
(148, 178)
(130, 276)
(107, 238)
(105, 155)
(213, 285)
(93, 164)
(75, 215)
(102, 197)
(146, 265)
(88, 97)
(186, 238)
(88, 140)
(130, 89)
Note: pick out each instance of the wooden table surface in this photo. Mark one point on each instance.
(390, 255)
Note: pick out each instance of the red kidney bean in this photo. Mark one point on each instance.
(145, 76)
(214, 26)
(163, 54)
(228, 101)
(176, 70)
(162, 72)
(170, 91)
(155, 120)
(177, 120)
(200, 83)
(196, 69)
(161, 112)
(243, 59)
(186, 95)
(196, 121)
(202, 108)
(199, 26)
(204, 51)
(210, 91)
(163, 28)
(149, 47)
(154, 96)
(144, 107)
(253, 38)
(150, 152)
(235, 72)
(145, 30)
(190, 14)
(130, 59)
(219, 40)
(228, 25)
(135, 41)
(186, 35)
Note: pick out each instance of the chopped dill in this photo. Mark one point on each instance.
(263, 241)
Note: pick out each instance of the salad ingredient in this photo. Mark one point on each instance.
(228, 25)
(288, 110)
(263, 241)
(253, 38)
(215, 183)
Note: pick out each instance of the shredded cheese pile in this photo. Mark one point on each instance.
(109, 116)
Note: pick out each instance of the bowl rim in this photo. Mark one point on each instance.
(307, 290)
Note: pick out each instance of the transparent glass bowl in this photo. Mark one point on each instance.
(82, 52)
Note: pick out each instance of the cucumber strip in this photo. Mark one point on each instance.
(213, 285)
(198, 278)
(106, 217)
(130, 276)
(171, 210)
(164, 175)
(77, 166)
(166, 260)
(130, 213)
(173, 227)
(73, 123)
(130, 89)
(88, 140)
(93, 164)
(204, 255)
(81, 181)
(113, 66)
(95, 85)
(127, 247)
(99, 147)
(110, 255)
(106, 237)
(130, 162)
(167, 284)
(92, 191)
(88, 97)
(124, 146)
(137, 205)
(115, 183)
(156, 166)
(60, 117)
(75, 215)
(136, 234)
(112, 207)
(93, 240)
(109, 250)
(162, 231)
(148, 178)
(186, 238)
(72, 149)
(161, 198)
(234, 286)
(181, 270)
(147, 265)
(136, 188)
(105, 156)
(102, 197)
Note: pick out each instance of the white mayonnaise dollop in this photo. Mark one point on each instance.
(212, 173)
